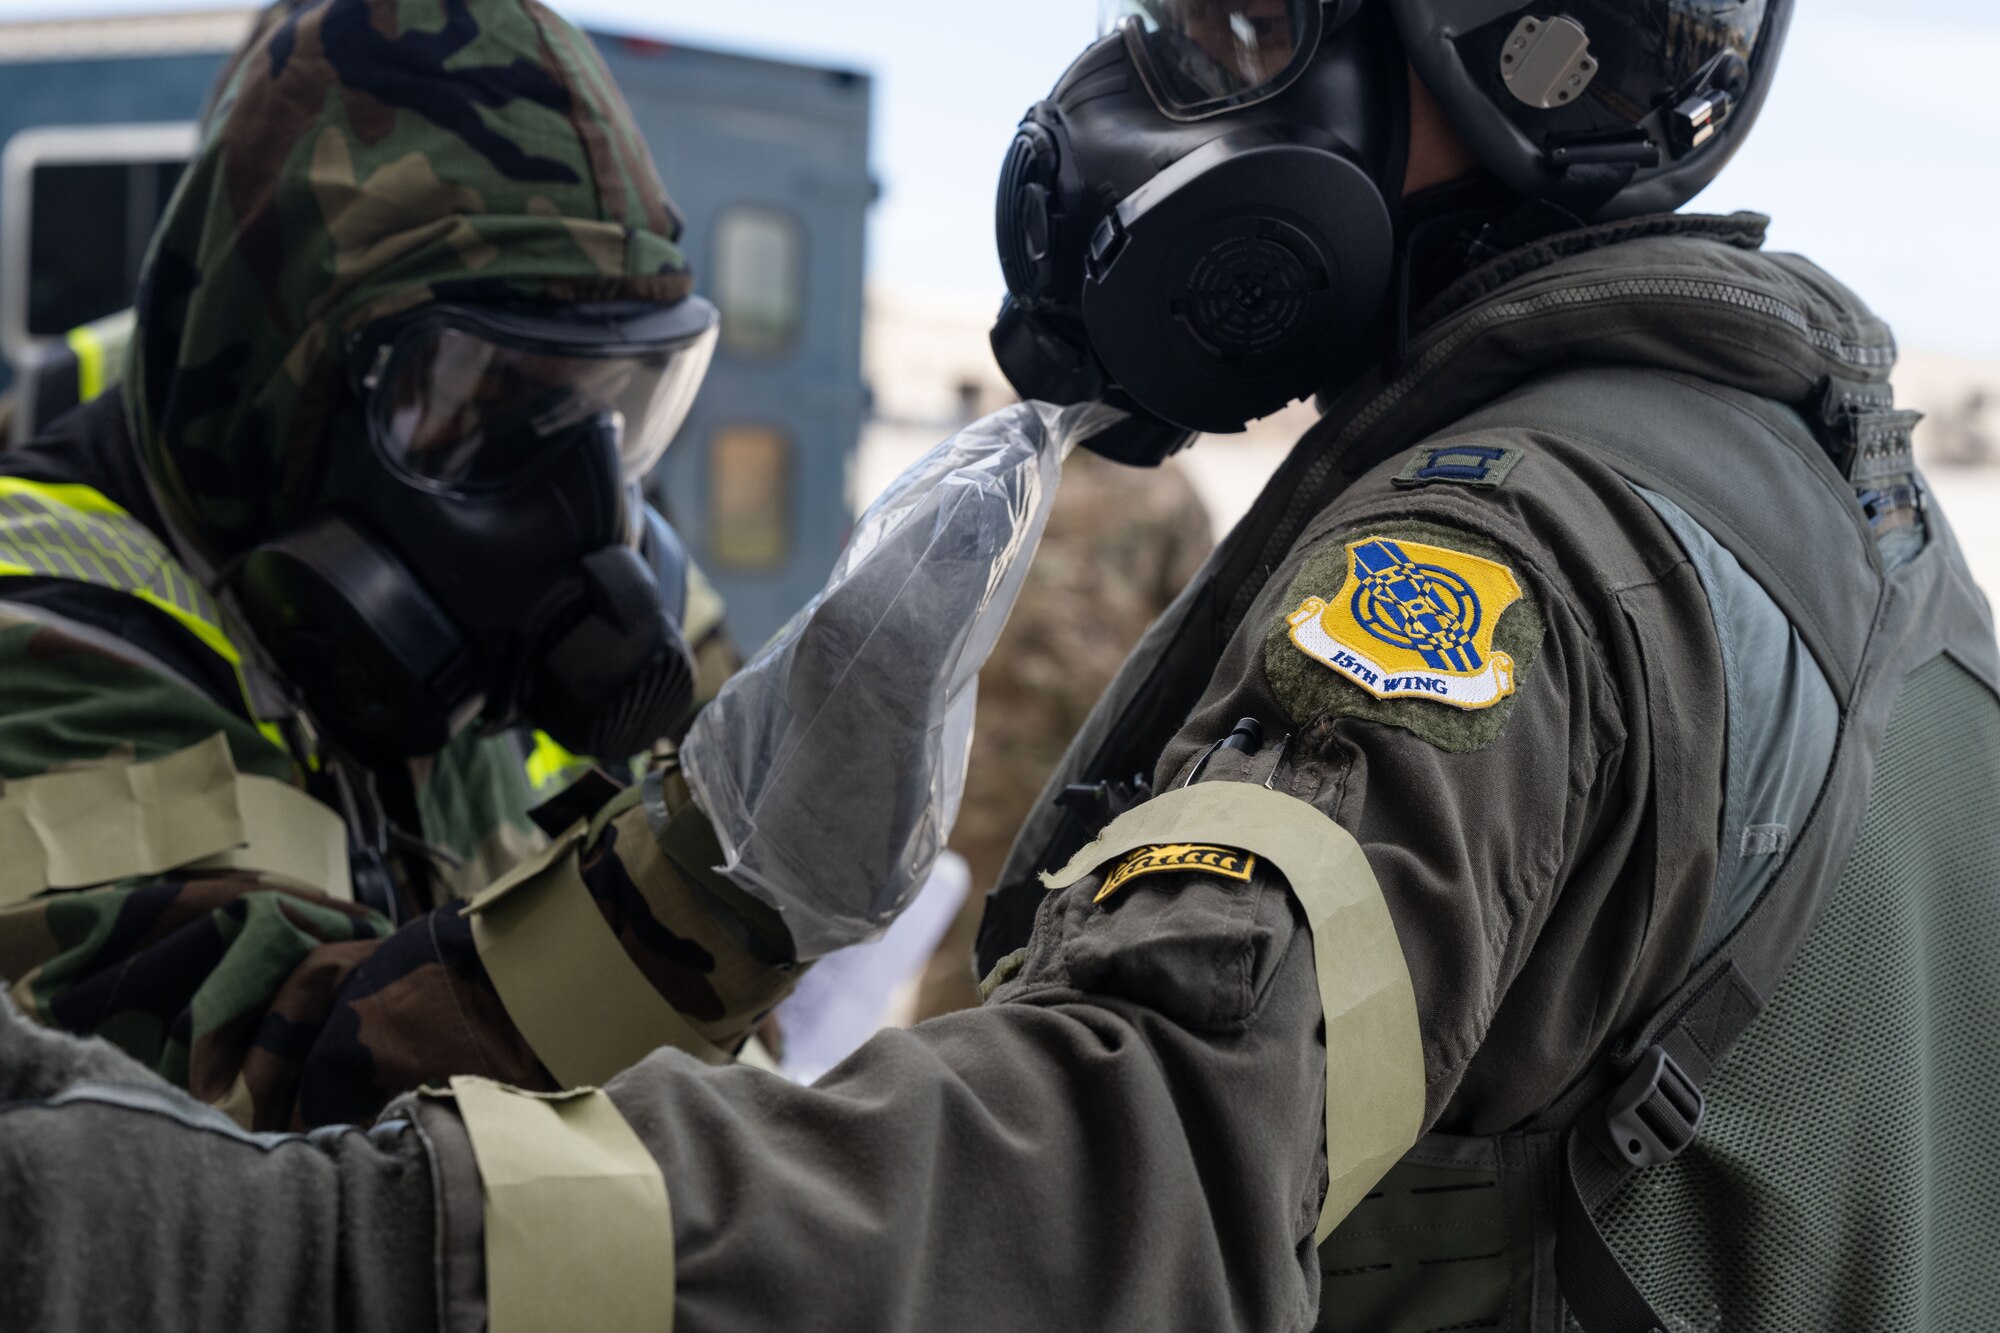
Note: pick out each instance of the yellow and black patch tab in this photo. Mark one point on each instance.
(1222, 862)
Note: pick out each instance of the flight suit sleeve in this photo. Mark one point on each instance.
(126, 1204)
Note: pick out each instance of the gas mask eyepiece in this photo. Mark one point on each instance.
(1194, 225)
(483, 552)
(1201, 58)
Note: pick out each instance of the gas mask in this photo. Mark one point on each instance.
(1196, 225)
(484, 553)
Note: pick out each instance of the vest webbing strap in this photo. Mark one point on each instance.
(57, 531)
(1653, 1117)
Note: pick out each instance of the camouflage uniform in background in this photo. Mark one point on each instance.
(363, 157)
(1121, 544)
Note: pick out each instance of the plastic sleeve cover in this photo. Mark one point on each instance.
(832, 765)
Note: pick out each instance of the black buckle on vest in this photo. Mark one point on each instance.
(1656, 1112)
(1096, 804)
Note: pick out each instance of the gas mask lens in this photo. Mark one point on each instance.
(1199, 58)
(475, 399)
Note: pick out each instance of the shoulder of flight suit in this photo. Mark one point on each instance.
(1548, 850)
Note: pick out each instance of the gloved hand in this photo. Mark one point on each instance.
(831, 767)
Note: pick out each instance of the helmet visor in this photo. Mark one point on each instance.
(1653, 51)
(1200, 58)
(472, 400)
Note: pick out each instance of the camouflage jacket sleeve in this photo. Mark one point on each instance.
(283, 1007)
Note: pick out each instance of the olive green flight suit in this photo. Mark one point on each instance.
(1603, 654)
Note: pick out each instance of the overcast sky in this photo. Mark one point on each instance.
(1879, 154)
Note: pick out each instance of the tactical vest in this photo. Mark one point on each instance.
(89, 361)
(1826, 1176)
(75, 532)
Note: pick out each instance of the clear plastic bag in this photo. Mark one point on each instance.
(832, 765)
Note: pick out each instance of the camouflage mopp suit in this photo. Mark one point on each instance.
(361, 159)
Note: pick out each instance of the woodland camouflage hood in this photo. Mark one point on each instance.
(362, 158)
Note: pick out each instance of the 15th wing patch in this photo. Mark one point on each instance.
(1414, 621)
(1226, 862)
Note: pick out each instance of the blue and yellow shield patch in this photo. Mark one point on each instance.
(1414, 622)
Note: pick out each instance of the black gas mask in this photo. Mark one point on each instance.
(484, 552)
(1196, 225)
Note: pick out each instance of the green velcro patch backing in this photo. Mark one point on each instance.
(1436, 639)
(1484, 466)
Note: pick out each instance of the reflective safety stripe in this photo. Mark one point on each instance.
(548, 761)
(88, 348)
(584, 1006)
(58, 531)
(579, 1231)
(1374, 1048)
(188, 811)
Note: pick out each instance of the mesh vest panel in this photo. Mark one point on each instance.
(1845, 1175)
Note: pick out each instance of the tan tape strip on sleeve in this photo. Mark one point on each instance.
(190, 810)
(584, 1006)
(579, 1233)
(293, 839)
(1375, 1061)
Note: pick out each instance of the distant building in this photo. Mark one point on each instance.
(1960, 400)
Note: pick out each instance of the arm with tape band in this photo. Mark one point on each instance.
(611, 942)
(555, 947)
(1132, 1108)
(1375, 1090)
(567, 970)
(1133, 1100)
(834, 764)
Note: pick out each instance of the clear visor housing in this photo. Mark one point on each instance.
(473, 401)
(1199, 58)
